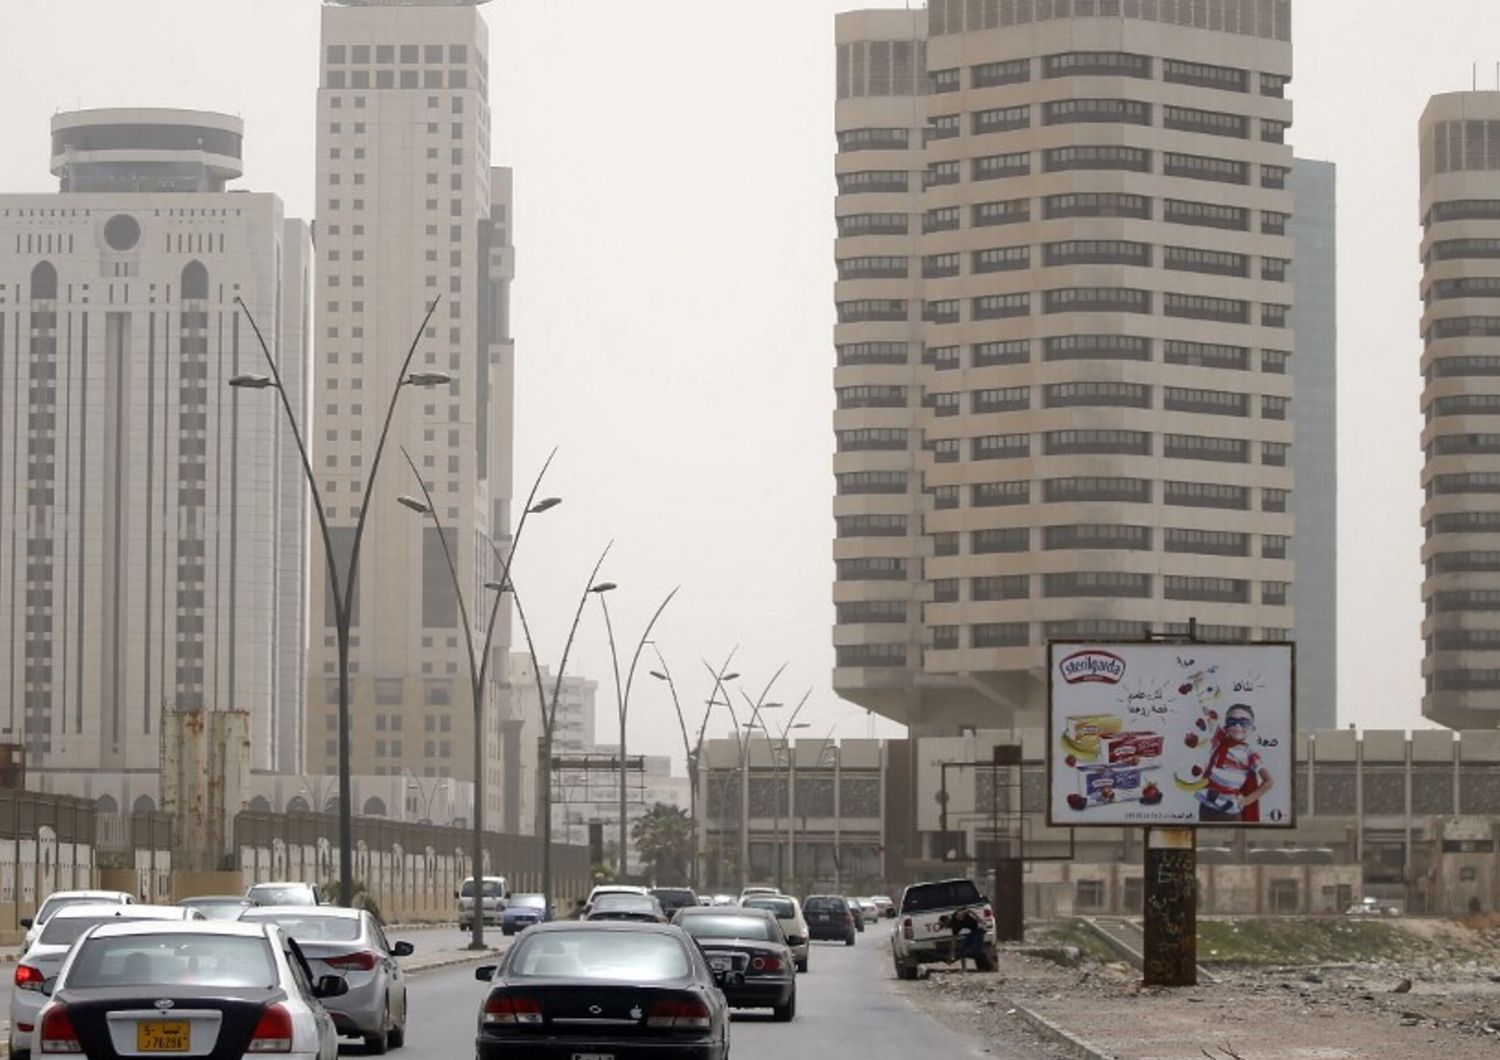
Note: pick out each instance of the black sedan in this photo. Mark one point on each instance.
(747, 949)
(629, 991)
(641, 908)
(828, 917)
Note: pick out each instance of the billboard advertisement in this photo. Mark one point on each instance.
(1171, 735)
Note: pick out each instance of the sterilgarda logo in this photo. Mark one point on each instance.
(1082, 667)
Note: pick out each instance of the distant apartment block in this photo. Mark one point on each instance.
(1460, 214)
(152, 520)
(1064, 341)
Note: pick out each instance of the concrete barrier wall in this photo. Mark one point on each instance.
(412, 871)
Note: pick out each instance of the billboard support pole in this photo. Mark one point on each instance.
(1171, 907)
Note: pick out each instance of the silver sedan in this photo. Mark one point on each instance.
(349, 943)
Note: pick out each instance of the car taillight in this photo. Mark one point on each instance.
(989, 914)
(363, 961)
(502, 1008)
(765, 964)
(689, 1014)
(57, 1034)
(906, 930)
(29, 978)
(273, 1032)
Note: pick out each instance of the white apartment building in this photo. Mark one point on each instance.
(410, 211)
(1460, 215)
(1062, 388)
(152, 520)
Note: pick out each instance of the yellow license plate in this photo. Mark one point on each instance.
(162, 1036)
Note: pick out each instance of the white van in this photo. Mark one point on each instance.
(496, 891)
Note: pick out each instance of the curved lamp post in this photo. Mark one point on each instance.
(478, 668)
(778, 749)
(343, 587)
(622, 703)
(693, 751)
(756, 707)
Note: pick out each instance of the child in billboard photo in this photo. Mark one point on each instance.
(1236, 780)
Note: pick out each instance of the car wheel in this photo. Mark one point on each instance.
(904, 970)
(849, 939)
(398, 1036)
(786, 1013)
(507, 929)
(802, 965)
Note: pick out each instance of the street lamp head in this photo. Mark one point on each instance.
(659, 675)
(729, 677)
(252, 382)
(771, 706)
(414, 504)
(544, 504)
(603, 587)
(801, 725)
(427, 379)
(499, 587)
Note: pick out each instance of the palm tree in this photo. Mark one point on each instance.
(664, 837)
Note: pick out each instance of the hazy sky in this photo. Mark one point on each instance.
(673, 301)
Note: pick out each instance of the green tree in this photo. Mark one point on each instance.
(664, 837)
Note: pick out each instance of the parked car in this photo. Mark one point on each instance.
(218, 906)
(349, 943)
(788, 913)
(857, 911)
(524, 911)
(1370, 906)
(202, 987)
(747, 951)
(284, 892)
(869, 911)
(603, 990)
(748, 892)
(492, 902)
(641, 908)
(45, 956)
(923, 935)
(828, 918)
(610, 888)
(674, 898)
(57, 899)
(724, 899)
(884, 906)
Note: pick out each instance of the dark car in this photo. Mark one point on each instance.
(745, 947)
(674, 898)
(627, 991)
(857, 912)
(641, 908)
(828, 918)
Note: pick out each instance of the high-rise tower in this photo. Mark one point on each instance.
(1063, 339)
(1460, 212)
(409, 211)
(152, 520)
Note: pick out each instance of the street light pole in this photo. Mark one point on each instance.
(784, 750)
(721, 677)
(343, 588)
(622, 701)
(478, 669)
(756, 707)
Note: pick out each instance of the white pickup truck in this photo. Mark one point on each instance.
(922, 934)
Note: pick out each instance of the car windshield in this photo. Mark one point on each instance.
(163, 959)
(53, 904)
(825, 905)
(780, 908)
(64, 930)
(596, 954)
(492, 889)
(635, 903)
(729, 927)
(950, 894)
(281, 895)
(527, 901)
(227, 909)
(305, 928)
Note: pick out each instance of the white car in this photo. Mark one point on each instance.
(788, 913)
(57, 899)
(750, 892)
(45, 956)
(195, 988)
(612, 888)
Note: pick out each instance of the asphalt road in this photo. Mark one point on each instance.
(847, 1006)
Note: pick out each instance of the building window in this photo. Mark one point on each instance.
(871, 268)
(1107, 110)
(940, 173)
(941, 311)
(873, 224)
(1000, 447)
(1206, 355)
(999, 119)
(1208, 122)
(998, 306)
(989, 354)
(941, 82)
(942, 219)
(870, 439)
(1000, 587)
(1272, 500)
(986, 214)
(1209, 262)
(941, 358)
(1099, 584)
(1205, 215)
(994, 541)
(1097, 441)
(1109, 156)
(999, 494)
(1199, 447)
(991, 75)
(1203, 307)
(943, 127)
(873, 353)
(1205, 542)
(1202, 75)
(1000, 635)
(1000, 399)
(871, 397)
(1097, 488)
(1096, 300)
(1273, 408)
(1097, 64)
(994, 167)
(872, 525)
(1206, 495)
(867, 181)
(871, 568)
(1096, 395)
(940, 266)
(1096, 348)
(1212, 590)
(1097, 204)
(1089, 536)
(998, 259)
(860, 482)
(1097, 252)
(873, 140)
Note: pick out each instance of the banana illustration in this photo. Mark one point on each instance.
(1190, 785)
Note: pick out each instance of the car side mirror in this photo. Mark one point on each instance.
(26, 921)
(331, 986)
(485, 972)
(507, 896)
(403, 949)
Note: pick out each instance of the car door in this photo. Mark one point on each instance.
(302, 978)
(395, 978)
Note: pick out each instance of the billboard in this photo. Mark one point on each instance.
(1170, 735)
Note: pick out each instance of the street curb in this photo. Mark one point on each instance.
(1075, 1046)
(449, 962)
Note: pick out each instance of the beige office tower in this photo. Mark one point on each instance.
(410, 211)
(1062, 340)
(1460, 149)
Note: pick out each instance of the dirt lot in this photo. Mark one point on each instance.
(1390, 989)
